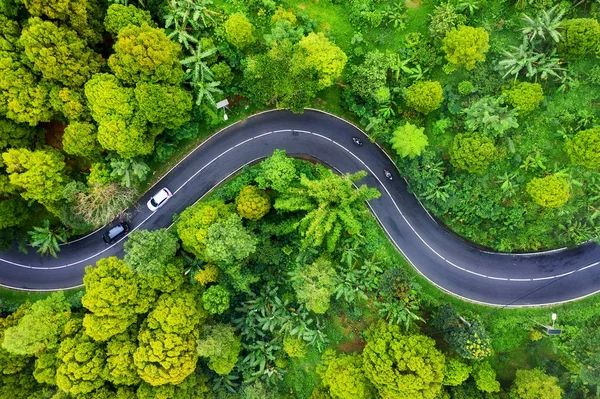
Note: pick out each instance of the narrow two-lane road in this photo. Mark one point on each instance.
(443, 258)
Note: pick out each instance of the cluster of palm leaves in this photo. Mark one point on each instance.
(47, 238)
(185, 22)
(536, 57)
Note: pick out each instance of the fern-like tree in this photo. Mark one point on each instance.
(332, 204)
(409, 140)
(196, 66)
(526, 60)
(47, 238)
(544, 25)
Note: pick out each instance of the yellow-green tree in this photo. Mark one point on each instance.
(146, 54)
(455, 372)
(253, 203)
(550, 191)
(239, 31)
(472, 152)
(81, 139)
(120, 368)
(81, 362)
(525, 96)
(466, 45)
(167, 105)
(11, 363)
(485, 377)
(402, 366)
(584, 148)
(40, 174)
(115, 297)
(314, 284)
(221, 346)
(58, 53)
(119, 16)
(344, 377)
(194, 222)
(324, 56)
(424, 96)
(166, 353)
(276, 172)
(195, 386)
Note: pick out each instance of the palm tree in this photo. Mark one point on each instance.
(47, 238)
(187, 16)
(545, 24)
(197, 69)
(535, 64)
(206, 90)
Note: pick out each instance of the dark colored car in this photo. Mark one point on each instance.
(116, 232)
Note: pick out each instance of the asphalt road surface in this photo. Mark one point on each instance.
(442, 257)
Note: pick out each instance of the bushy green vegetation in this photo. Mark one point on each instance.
(288, 318)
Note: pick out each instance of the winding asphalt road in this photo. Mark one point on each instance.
(440, 256)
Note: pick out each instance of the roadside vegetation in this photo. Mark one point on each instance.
(249, 296)
(281, 284)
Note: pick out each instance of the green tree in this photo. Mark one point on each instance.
(253, 203)
(215, 299)
(276, 172)
(115, 297)
(16, 134)
(344, 376)
(119, 16)
(485, 377)
(490, 117)
(39, 173)
(467, 338)
(583, 349)
(581, 37)
(314, 284)
(120, 369)
(369, 79)
(547, 23)
(81, 364)
(424, 96)
(525, 96)
(472, 152)
(584, 148)
(81, 139)
(58, 53)
(147, 252)
(550, 191)
(280, 77)
(222, 73)
(46, 239)
(443, 19)
(455, 372)
(228, 241)
(402, 366)
(11, 363)
(409, 140)
(194, 222)
(164, 105)
(325, 57)
(146, 54)
(128, 172)
(166, 353)
(221, 346)
(40, 328)
(239, 31)
(332, 204)
(465, 46)
(535, 384)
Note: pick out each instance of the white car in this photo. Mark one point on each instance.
(159, 199)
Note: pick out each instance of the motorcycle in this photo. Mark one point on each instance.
(387, 174)
(357, 141)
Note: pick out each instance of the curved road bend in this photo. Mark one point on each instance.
(440, 256)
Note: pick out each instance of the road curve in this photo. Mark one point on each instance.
(440, 256)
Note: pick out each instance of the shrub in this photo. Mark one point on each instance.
(222, 73)
(584, 148)
(580, 37)
(425, 96)
(549, 191)
(472, 152)
(466, 46)
(253, 203)
(409, 140)
(465, 88)
(444, 19)
(119, 16)
(216, 299)
(238, 31)
(525, 96)
(294, 346)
